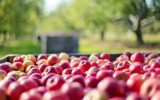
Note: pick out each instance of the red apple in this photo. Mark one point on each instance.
(49, 69)
(6, 67)
(52, 59)
(105, 56)
(42, 67)
(46, 77)
(103, 74)
(54, 83)
(33, 70)
(136, 68)
(77, 78)
(128, 54)
(29, 84)
(122, 65)
(84, 65)
(3, 94)
(78, 71)
(55, 95)
(14, 90)
(73, 90)
(59, 69)
(109, 85)
(135, 96)
(67, 71)
(64, 64)
(149, 87)
(120, 75)
(30, 96)
(18, 59)
(91, 82)
(42, 56)
(138, 57)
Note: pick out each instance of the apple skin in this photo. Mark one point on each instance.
(105, 56)
(149, 87)
(73, 90)
(120, 75)
(137, 57)
(95, 95)
(49, 69)
(3, 74)
(45, 78)
(156, 96)
(92, 70)
(122, 65)
(30, 57)
(101, 74)
(27, 62)
(67, 71)
(63, 56)
(54, 83)
(128, 54)
(18, 66)
(78, 71)
(91, 82)
(28, 84)
(134, 84)
(6, 67)
(64, 64)
(42, 67)
(55, 95)
(30, 96)
(108, 66)
(77, 78)
(52, 59)
(136, 68)
(135, 96)
(42, 56)
(59, 69)
(18, 59)
(14, 90)
(33, 70)
(3, 94)
(109, 85)
(84, 65)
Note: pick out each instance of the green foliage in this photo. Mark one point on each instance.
(19, 17)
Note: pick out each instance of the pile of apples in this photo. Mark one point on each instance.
(131, 76)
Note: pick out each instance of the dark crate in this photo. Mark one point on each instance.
(9, 58)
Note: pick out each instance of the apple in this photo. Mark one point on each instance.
(27, 62)
(122, 58)
(6, 67)
(42, 56)
(42, 67)
(30, 57)
(49, 69)
(3, 74)
(73, 90)
(128, 54)
(122, 65)
(29, 84)
(91, 82)
(74, 64)
(54, 83)
(135, 96)
(108, 66)
(14, 90)
(30, 67)
(67, 71)
(137, 57)
(42, 61)
(18, 66)
(18, 59)
(95, 95)
(120, 75)
(78, 71)
(46, 77)
(156, 96)
(3, 94)
(93, 57)
(77, 78)
(101, 74)
(105, 56)
(55, 95)
(149, 87)
(91, 70)
(83, 57)
(64, 64)
(33, 70)
(30, 96)
(59, 69)
(101, 62)
(84, 65)
(136, 68)
(109, 85)
(63, 56)
(134, 84)
(52, 59)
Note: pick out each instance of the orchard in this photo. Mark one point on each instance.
(130, 76)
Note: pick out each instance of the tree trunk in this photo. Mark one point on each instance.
(139, 36)
(102, 35)
(4, 36)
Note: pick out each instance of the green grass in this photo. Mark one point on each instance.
(112, 44)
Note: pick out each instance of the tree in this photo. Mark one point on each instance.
(140, 13)
(19, 17)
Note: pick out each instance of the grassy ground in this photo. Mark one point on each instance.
(112, 44)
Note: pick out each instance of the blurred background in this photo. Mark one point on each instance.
(111, 26)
